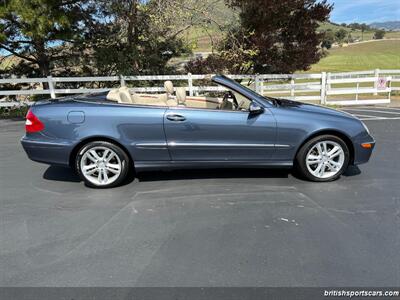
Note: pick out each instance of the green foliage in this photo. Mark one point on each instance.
(340, 35)
(85, 37)
(273, 36)
(137, 43)
(15, 112)
(32, 28)
(379, 34)
(328, 39)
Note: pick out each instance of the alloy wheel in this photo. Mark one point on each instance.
(325, 159)
(101, 165)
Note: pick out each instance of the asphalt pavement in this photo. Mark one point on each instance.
(205, 228)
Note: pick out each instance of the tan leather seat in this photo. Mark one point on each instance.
(181, 96)
(167, 98)
(226, 105)
(169, 87)
(203, 102)
(125, 95)
(113, 95)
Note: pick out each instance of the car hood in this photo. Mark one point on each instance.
(311, 108)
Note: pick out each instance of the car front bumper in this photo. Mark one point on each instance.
(363, 154)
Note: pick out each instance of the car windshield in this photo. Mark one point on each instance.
(248, 90)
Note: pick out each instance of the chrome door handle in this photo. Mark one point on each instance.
(176, 118)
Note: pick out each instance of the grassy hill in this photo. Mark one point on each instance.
(382, 54)
(202, 38)
(356, 33)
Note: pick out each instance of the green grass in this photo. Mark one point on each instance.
(382, 54)
(356, 33)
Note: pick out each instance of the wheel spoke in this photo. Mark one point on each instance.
(110, 157)
(313, 162)
(90, 169)
(313, 157)
(319, 149)
(325, 147)
(112, 170)
(333, 150)
(332, 168)
(91, 157)
(105, 153)
(114, 166)
(318, 169)
(105, 176)
(99, 177)
(94, 154)
(322, 171)
(337, 153)
(335, 164)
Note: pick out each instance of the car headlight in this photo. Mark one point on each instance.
(365, 127)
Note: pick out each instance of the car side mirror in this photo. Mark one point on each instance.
(255, 108)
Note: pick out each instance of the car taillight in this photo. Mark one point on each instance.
(33, 124)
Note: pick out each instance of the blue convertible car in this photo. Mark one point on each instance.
(104, 135)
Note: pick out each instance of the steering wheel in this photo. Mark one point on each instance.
(230, 95)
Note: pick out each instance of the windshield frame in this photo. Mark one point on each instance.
(241, 89)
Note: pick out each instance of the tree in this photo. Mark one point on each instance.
(34, 30)
(379, 34)
(136, 37)
(328, 39)
(363, 28)
(340, 35)
(274, 36)
(88, 37)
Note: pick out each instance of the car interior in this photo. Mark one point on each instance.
(173, 97)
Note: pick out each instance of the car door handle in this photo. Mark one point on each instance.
(176, 118)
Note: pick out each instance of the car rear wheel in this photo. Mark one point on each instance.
(102, 164)
(323, 158)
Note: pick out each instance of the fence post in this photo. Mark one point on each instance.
(292, 87)
(376, 75)
(122, 80)
(190, 84)
(323, 88)
(51, 87)
(261, 85)
(328, 77)
(257, 83)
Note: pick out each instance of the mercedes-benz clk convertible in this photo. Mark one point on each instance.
(103, 136)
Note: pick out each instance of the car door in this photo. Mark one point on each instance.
(217, 135)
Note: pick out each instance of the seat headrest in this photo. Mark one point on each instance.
(169, 87)
(181, 95)
(124, 95)
(113, 95)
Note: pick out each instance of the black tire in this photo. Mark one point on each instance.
(301, 157)
(121, 154)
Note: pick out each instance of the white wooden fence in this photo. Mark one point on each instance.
(349, 88)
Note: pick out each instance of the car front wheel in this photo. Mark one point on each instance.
(102, 164)
(323, 158)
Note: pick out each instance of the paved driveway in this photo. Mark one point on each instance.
(201, 228)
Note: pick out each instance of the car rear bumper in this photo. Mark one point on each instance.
(48, 152)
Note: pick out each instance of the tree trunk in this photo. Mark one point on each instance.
(43, 61)
(132, 24)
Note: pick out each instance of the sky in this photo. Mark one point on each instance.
(365, 11)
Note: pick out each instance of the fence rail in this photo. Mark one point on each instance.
(345, 88)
